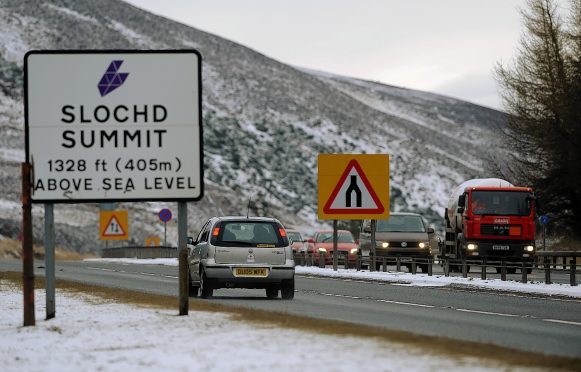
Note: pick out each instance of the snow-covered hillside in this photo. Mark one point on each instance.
(265, 122)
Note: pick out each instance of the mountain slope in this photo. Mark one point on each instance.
(264, 122)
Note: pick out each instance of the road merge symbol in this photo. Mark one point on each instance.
(113, 225)
(353, 186)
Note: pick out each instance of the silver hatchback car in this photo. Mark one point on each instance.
(240, 252)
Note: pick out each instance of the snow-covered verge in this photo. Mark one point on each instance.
(422, 280)
(93, 334)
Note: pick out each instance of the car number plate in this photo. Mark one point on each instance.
(501, 247)
(250, 271)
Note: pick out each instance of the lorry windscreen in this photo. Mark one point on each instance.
(501, 203)
(401, 224)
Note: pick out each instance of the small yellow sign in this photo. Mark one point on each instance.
(353, 186)
(113, 225)
(152, 241)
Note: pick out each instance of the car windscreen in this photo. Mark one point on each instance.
(342, 237)
(294, 236)
(501, 203)
(260, 234)
(401, 224)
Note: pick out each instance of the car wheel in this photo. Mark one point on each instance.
(206, 291)
(424, 268)
(498, 270)
(529, 270)
(192, 289)
(511, 270)
(287, 289)
(272, 292)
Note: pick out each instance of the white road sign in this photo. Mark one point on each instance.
(114, 125)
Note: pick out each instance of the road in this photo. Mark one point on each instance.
(525, 322)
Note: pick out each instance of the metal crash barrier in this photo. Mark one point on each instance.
(140, 252)
(547, 262)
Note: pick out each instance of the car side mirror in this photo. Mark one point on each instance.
(431, 230)
(462, 201)
(290, 241)
(191, 240)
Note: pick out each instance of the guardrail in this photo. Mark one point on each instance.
(543, 262)
(140, 252)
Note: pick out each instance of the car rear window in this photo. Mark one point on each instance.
(249, 234)
(342, 237)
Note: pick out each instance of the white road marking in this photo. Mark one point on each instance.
(405, 303)
(562, 321)
(149, 274)
(488, 313)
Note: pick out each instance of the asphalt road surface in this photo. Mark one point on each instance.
(544, 324)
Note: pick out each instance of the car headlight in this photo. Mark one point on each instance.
(382, 244)
(422, 245)
(354, 250)
(322, 250)
(529, 248)
(472, 247)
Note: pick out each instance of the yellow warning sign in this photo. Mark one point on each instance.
(152, 241)
(113, 225)
(353, 187)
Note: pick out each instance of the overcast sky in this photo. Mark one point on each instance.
(444, 46)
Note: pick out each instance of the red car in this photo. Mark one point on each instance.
(322, 243)
(298, 245)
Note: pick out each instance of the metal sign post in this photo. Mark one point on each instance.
(373, 245)
(49, 260)
(335, 253)
(165, 215)
(183, 257)
(544, 221)
(27, 251)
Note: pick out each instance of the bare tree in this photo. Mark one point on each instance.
(540, 91)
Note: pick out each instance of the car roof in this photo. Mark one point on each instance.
(244, 218)
(404, 214)
(330, 231)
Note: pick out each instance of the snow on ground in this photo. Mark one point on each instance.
(89, 333)
(422, 280)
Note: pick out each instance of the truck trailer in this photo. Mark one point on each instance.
(490, 219)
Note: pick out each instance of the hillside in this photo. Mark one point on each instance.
(264, 122)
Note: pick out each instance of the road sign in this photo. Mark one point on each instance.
(544, 219)
(353, 186)
(106, 126)
(164, 215)
(113, 225)
(152, 241)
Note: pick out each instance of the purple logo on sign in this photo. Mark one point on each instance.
(112, 79)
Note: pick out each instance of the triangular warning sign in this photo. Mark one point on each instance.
(113, 228)
(353, 193)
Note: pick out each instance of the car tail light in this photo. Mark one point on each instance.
(216, 231)
(282, 232)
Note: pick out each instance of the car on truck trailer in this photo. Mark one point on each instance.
(490, 219)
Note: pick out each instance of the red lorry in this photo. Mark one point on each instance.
(490, 219)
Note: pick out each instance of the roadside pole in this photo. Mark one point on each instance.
(27, 252)
(373, 245)
(183, 257)
(335, 237)
(49, 260)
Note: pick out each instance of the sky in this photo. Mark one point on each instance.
(449, 47)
